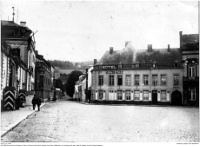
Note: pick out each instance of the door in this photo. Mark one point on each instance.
(176, 98)
(154, 96)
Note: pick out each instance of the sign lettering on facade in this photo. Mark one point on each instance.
(114, 72)
(109, 67)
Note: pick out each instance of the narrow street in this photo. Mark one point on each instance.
(66, 121)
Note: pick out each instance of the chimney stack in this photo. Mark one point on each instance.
(149, 48)
(168, 49)
(95, 61)
(23, 23)
(111, 50)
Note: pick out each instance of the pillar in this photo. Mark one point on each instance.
(132, 95)
(141, 96)
(150, 97)
(123, 95)
(158, 96)
(168, 97)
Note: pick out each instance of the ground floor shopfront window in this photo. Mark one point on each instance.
(128, 95)
(163, 95)
(137, 95)
(145, 95)
(119, 95)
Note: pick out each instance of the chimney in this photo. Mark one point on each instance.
(95, 61)
(168, 49)
(23, 23)
(126, 43)
(36, 51)
(180, 33)
(149, 48)
(111, 50)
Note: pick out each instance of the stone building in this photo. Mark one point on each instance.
(43, 74)
(17, 61)
(189, 45)
(119, 77)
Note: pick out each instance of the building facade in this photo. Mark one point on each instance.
(189, 45)
(116, 79)
(43, 83)
(17, 45)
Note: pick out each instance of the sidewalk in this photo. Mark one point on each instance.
(10, 119)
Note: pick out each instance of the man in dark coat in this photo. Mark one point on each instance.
(34, 101)
(38, 103)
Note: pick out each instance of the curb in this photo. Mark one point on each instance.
(17, 123)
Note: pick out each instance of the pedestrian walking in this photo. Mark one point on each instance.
(17, 103)
(38, 102)
(34, 101)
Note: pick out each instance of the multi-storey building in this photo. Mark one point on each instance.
(189, 45)
(17, 60)
(43, 83)
(119, 77)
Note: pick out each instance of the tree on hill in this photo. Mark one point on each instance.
(70, 85)
(61, 64)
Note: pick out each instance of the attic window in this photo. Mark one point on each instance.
(155, 64)
(137, 65)
(176, 64)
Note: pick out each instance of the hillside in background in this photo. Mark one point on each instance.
(70, 65)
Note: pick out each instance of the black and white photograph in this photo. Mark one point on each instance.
(99, 73)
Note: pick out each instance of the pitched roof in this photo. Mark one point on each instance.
(192, 38)
(12, 24)
(125, 56)
(161, 56)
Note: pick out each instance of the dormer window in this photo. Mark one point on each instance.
(154, 64)
(137, 65)
(176, 63)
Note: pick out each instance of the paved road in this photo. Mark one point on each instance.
(66, 121)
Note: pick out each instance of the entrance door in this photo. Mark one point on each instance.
(154, 96)
(176, 98)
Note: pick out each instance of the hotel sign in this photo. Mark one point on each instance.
(110, 67)
(114, 72)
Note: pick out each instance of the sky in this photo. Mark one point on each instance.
(84, 30)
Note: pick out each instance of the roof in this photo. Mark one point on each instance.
(192, 38)
(125, 56)
(12, 24)
(161, 56)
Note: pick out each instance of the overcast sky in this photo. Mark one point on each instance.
(83, 31)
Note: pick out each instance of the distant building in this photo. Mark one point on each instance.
(119, 78)
(189, 45)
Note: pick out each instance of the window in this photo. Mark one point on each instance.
(100, 94)
(137, 80)
(145, 79)
(119, 94)
(192, 93)
(111, 80)
(128, 80)
(119, 80)
(137, 95)
(145, 95)
(176, 79)
(154, 80)
(163, 95)
(163, 80)
(128, 95)
(100, 80)
(191, 71)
